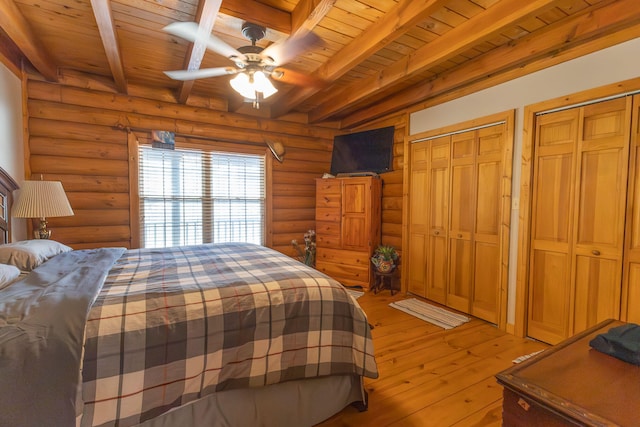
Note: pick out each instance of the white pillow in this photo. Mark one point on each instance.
(28, 254)
(8, 275)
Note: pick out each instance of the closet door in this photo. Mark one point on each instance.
(429, 217)
(418, 221)
(462, 220)
(438, 213)
(578, 214)
(488, 212)
(601, 197)
(631, 279)
(551, 227)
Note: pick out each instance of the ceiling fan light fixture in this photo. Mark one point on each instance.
(242, 84)
(263, 84)
(249, 85)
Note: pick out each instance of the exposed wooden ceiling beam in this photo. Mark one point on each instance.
(206, 17)
(19, 31)
(10, 54)
(557, 43)
(104, 19)
(258, 13)
(308, 13)
(406, 14)
(483, 26)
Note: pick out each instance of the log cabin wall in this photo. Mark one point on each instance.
(78, 136)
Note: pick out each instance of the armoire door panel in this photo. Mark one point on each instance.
(549, 291)
(355, 233)
(354, 200)
(484, 303)
(597, 294)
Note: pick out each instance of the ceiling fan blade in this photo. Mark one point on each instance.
(285, 51)
(189, 31)
(296, 78)
(200, 74)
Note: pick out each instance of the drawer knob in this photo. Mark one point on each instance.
(436, 232)
(459, 236)
(595, 252)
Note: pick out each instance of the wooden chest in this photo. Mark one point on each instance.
(572, 384)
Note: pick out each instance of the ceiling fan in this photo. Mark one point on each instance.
(253, 64)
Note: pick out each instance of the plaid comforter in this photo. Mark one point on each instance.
(171, 325)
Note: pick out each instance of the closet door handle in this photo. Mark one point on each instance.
(595, 252)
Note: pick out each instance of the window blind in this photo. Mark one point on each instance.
(191, 197)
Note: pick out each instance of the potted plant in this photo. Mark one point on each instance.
(384, 258)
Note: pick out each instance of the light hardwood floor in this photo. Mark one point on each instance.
(431, 377)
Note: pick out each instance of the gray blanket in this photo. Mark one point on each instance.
(42, 320)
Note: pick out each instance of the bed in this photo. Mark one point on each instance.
(210, 335)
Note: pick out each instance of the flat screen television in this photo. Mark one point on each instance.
(368, 151)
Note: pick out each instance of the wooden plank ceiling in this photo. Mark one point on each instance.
(375, 56)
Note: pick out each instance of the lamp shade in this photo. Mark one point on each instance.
(250, 85)
(41, 199)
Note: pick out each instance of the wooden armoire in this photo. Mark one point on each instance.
(459, 206)
(584, 247)
(348, 227)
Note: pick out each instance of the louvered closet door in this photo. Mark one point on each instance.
(462, 220)
(552, 210)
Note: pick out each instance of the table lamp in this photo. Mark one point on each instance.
(41, 199)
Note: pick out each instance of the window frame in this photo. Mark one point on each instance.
(138, 138)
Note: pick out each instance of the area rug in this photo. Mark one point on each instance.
(430, 313)
(526, 357)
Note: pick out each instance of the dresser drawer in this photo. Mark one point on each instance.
(328, 201)
(328, 214)
(328, 186)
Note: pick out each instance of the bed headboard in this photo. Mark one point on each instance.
(7, 185)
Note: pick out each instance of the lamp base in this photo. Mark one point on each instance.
(42, 232)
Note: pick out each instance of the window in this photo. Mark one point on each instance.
(190, 197)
